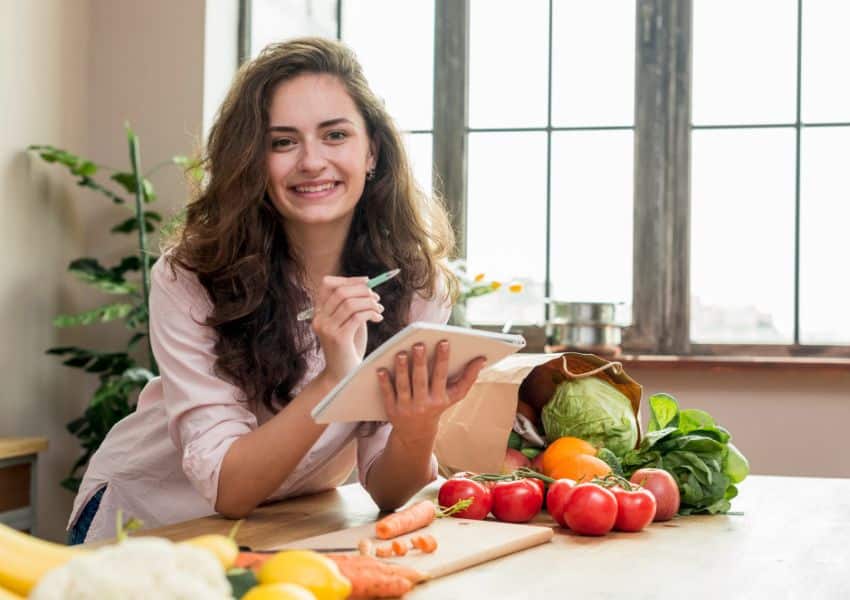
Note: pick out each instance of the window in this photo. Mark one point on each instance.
(584, 150)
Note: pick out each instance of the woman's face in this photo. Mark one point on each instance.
(318, 150)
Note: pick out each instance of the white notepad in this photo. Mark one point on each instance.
(358, 396)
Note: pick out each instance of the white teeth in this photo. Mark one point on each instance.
(314, 188)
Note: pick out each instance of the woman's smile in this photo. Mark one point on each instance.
(315, 190)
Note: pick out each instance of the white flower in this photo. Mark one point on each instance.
(137, 568)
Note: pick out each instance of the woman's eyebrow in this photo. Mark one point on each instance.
(323, 124)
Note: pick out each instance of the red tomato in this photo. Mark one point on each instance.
(635, 508)
(590, 509)
(539, 483)
(662, 485)
(516, 501)
(456, 489)
(556, 497)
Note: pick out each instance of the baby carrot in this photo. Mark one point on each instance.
(399, 547)
(364, 546)
(384, 551)
(427, 543)
(406, 520)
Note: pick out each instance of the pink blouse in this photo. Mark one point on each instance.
(161, 463)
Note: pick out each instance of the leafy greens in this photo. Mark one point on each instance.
(695, 450)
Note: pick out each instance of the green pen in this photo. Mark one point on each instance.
(372, 283)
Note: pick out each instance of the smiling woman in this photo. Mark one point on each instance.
(309, 192)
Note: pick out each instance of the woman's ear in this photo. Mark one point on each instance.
(372, 159)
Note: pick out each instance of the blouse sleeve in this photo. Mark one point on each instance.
(205, 415)
(434, 310)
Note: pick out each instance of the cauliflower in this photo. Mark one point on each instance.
(137, 568)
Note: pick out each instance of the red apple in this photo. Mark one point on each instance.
(514, 459)
(662, 485)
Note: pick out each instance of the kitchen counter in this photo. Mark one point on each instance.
(791, 541)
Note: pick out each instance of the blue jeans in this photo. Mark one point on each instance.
(80, 529)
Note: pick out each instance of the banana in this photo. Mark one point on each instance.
(7, 595)
(24, 559)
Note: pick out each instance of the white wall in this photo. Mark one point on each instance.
(71, 74)
(44, 98)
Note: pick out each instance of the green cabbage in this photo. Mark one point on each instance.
(593, 410)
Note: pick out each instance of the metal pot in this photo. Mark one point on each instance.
(595, 327)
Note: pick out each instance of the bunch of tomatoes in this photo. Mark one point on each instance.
(592, 508)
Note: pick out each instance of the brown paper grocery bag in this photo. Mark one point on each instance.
(474, 432)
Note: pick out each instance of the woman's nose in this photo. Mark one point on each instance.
(312, 158)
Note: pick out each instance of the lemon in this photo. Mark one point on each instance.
(315, 572)
(279, 591)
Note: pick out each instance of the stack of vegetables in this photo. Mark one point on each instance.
(584, 424)
(208, 566)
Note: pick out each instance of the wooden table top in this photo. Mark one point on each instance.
(791, 541)
(13, 447)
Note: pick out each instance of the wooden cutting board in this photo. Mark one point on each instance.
(462, 543)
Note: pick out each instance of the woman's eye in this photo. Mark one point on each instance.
(337, 136)
(281, 143)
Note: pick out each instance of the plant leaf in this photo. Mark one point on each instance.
(90, 271)
(664, 412)
(128, 181)
(194, 167)
(103, 314)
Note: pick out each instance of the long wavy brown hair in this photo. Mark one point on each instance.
(233, 238)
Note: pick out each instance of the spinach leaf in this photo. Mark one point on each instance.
(695, 450)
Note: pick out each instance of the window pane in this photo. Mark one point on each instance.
(593, 63)
(742, 236)
(394, 41)
(418, 147)
(279, 20)
(824, 215)
(592, 216)
(506, 218)
(826, 46)
(508, 63)
(744, 61)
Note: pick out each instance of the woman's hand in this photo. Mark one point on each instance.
(340, 313)
(414, 401)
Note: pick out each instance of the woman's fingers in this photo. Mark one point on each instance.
(346, 300)
(330, 284)
(419, 379)
(458, 387)
(387, 392)
(441, 369)
(404, 399)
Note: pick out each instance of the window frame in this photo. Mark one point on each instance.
(662, 154)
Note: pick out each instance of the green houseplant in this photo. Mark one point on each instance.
(120, 375)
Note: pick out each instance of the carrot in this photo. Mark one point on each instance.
(364, 546)
(406, 520)
(251, 560)
(379, 586)
(367, 563)
(371, 578)
(399, 547)
(427, 543)
(383, 551)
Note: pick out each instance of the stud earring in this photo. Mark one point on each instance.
(370, 174)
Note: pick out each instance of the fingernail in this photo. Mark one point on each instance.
(402, 357)
(381, 307)
(444, 345)
(380, 318)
